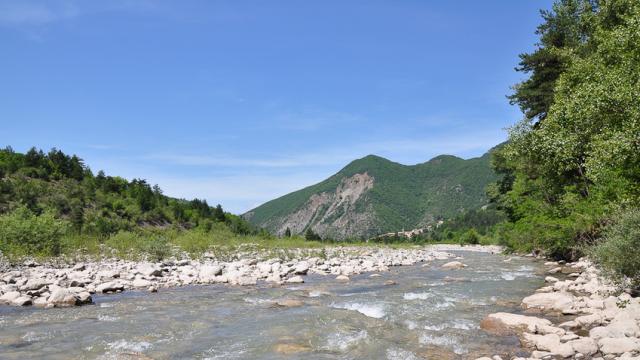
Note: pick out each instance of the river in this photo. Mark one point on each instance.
(429, 313)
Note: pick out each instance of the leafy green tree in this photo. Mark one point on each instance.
(565, 29)
(287, 233)
(570, 171)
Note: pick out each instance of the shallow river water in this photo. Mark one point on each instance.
(429, 314)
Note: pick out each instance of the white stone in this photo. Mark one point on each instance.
(454, 265)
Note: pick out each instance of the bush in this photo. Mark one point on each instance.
(24, 233)
(471, 236)
(618, 253)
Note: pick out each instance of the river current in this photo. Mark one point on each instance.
(429, 313)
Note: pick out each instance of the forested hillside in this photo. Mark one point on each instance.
(570, 173)
(45, 197)
(373, 195)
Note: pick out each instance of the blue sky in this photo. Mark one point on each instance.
(241, 101)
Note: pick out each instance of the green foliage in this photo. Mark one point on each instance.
(38, 189)
(564, 30)
(470, 237)
(402, 196)
(98, 204)
(618, 252)
(310, 235)
(23, 232)
(562, 178)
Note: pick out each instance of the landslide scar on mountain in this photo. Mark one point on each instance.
(331, 210)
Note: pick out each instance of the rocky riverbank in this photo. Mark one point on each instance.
(60, 284)
(590, 321)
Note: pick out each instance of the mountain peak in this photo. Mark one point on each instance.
(373, 195)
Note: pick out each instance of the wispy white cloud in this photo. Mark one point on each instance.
(309, 120)
(249, 181)
(26, 12)
(406, 150)
(37, 13)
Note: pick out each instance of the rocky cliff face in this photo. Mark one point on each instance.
(332, 213)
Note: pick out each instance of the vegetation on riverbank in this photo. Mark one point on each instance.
(571, 169)
(53, 204)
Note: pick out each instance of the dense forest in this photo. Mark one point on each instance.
(46, 197)
(570, 172)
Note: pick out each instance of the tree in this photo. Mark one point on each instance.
(574, 168)
(287, 233)
(310, 235)
(565, 28)
(218, 213)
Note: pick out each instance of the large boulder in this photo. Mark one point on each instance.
(505, 323)
(617, 346)
(557, 301)
(62, 297)
(616, 329)
(550, 343)
(584, 346)
(34, 284)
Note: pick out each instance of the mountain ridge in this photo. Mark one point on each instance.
(374, 195)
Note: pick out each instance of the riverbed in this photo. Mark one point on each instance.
(410, 312)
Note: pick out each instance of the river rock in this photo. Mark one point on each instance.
(301, 268)
(243, 280)
(505, 323)
(108, 287)
(549, 301)
(8, 297)
(342, 278)
(295, 280)
(288, 349)
(584, 345)
(548, 342)
(555, 270)
(62, 297)
(618, 346)
(21, 301)
(140, 283)
(149, 270)
(454, 265)
(289, 303)
(34, 284)
(616, 329)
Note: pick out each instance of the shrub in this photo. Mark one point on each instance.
(24, 233)
(618, 253)
(471, 236)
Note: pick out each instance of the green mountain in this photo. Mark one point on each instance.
(373, 195)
